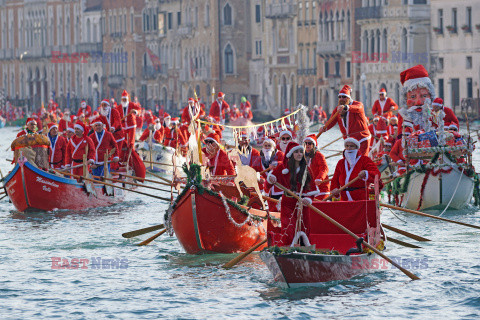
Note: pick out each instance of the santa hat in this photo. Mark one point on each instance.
(311, 138)
(106, 102)
(376, 118)
(453, 126)
(438, 102)
(80, 114)
(70, 127)
(352, 140)
(213, 137)
(191, 100)
(393, 118)
(157, 120)
(389, 141)
(287, 111)
(345, 92)
(29, 120)
(96, 120)
(83, 104)
(166, 115)
(125, 94)
(81, 126)
(221, 95)
(291, 148)
(271, 141)
(52, 125)
(243, 134)
(382, 90)
(407, 124)
(175, 120)
(416, 77)
(288, 132)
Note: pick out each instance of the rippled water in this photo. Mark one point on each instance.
(161, 281)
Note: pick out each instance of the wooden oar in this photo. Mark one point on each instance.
(160, 177)
(405, 233)
(342, 188)
(240, 257)
(139, 232)
(161, 164)
(403, 243)
(334, 155)
(115, 186)
(333, 118)
(429, 215)
(331, 142)
(144, 179)
(145, 242)
(338, 225)
(131, 183)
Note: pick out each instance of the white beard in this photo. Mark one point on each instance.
(167, 122)
(157, 126)
(283, 145)
(267, 153)
(350, 156)
(124, 104)
(104, 111)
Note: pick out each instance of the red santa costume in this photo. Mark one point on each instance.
(104, 142)
(173, 137)
(383, 109)
(156, 132)
(267, 157)
(114, 123)
(353, 124)
(194, 109)
(450, 117)
(260, 135)
(318, 166)
(289, 205)
(250, 155)
(25, 131)
(77, 147)
(244, 105)
(85, 109)
(219, 163)
(64, 122)
(218, 108)
(57, 149)
(128, 111)
(349, 168)
(234, 113)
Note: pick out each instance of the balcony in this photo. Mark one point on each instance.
(185, 31)
(115, 81)
(307, 72)
(281, 10)
(331, 48)
(90, 47)
(151, 72)
(116, 35)
(369, 13)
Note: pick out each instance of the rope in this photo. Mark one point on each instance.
(453, 195)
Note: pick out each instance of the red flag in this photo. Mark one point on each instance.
(155, 60)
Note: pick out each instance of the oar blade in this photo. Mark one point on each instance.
(139, 232)
(403, 243)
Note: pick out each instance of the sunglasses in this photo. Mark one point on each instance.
(286, 139)
(207, 141)
(309, 143)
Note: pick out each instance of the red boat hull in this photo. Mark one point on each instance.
(32, 189)
(303, 269)
(202, 225)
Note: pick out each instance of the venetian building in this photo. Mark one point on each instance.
(395, 35)
(337, 40)
(455, 53)
(280, 46)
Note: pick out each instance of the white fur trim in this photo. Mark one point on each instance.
(70, 129)
(436, 104)
(309, 200)
(269, 177)
(366, 177)
(290, 153)
(285, 132)
(353, 140)
(209, 138)
(417, 81)
(83, 104)
(99, 122)
(310, 139)
(344, 95)
(285, 171)
(408, 124)
(269, 141)
(54, 126)
(77, 126)
(318, 180)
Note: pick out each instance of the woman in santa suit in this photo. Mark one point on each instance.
(294, 175)
(269, 158)
(217, 159)
(352, 165)
(317, 163)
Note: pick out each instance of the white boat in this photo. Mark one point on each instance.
(446, 186)
(160, 154)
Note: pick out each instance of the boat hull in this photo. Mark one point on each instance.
(453, 187)
(305, 269)
(160, 154)
(32, 189)
(202, 225)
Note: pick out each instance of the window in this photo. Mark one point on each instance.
(337, 68)
(307, 59)
(207, 16)
(300, 9)
(469, 88)
(454, 18)
(469, 18)
(169, 20)
(131, 22)
(469, 62)
(228, 59)
(440, 64)
(306, 96)
(179, 18)
(349, 71)
(326, 69)
(258, 47)
(227, 15)
(306, 11)
(196, 17)
(419, 1)
(440, 20)
(300, 59)
(258, 14)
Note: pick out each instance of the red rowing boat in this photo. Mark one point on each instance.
(329, 259)
(32, 189)
(204, 222)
